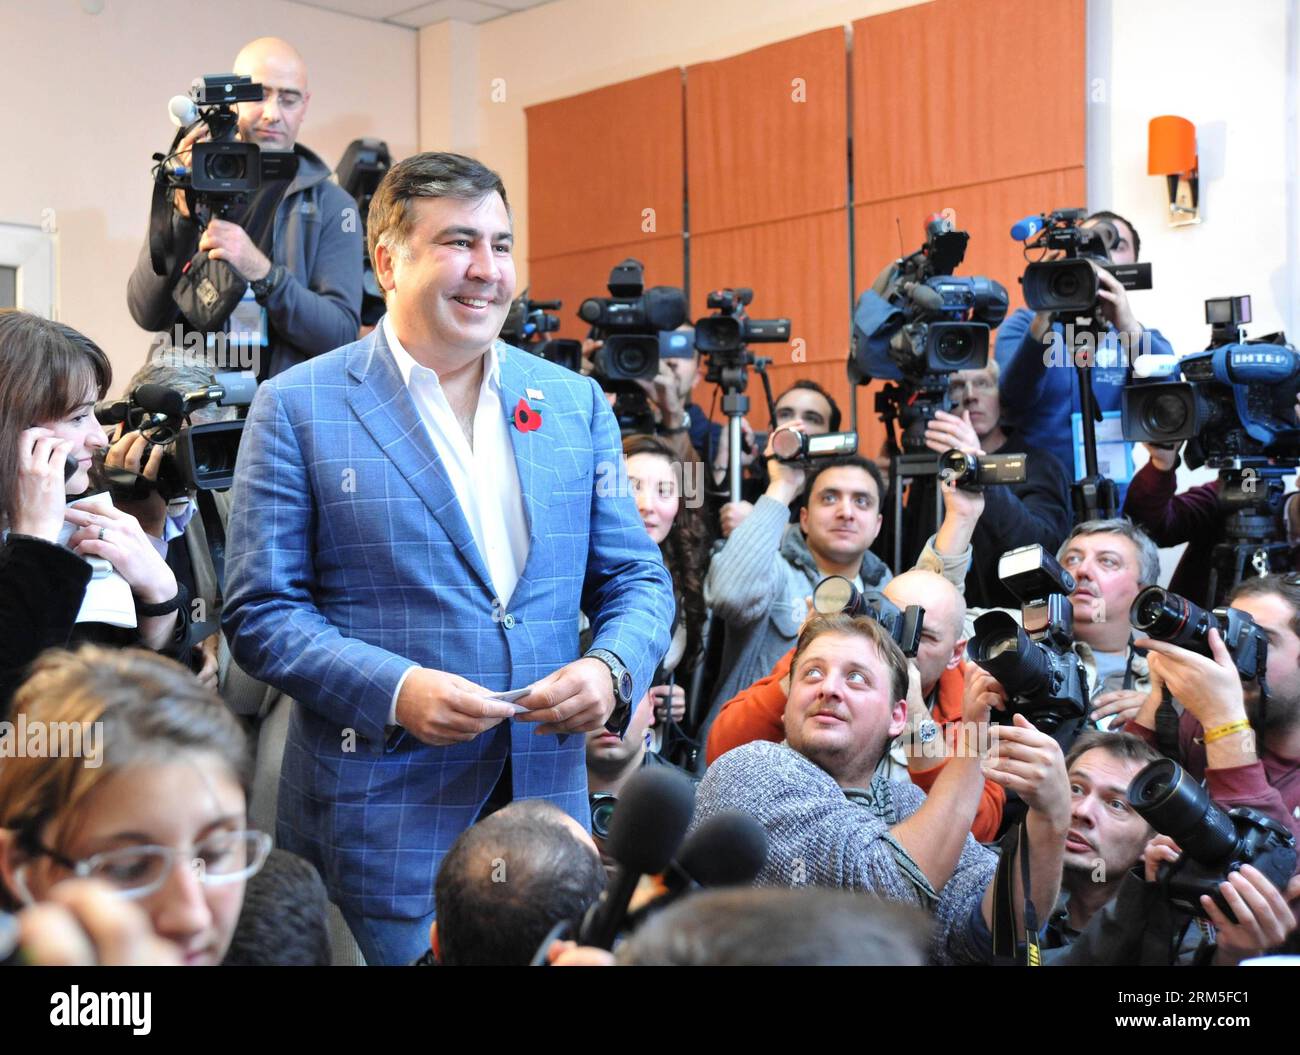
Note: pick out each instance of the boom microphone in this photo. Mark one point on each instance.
(182, 111)
(654, 811)
(159, 399)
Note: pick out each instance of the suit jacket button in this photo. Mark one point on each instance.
(508, 621)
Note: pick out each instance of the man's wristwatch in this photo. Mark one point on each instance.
(622, 715)
(264, 286)
(673, 430)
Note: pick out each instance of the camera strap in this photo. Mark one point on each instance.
(160, 214)
(1015, 844)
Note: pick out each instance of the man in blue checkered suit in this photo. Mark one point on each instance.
(417, 520)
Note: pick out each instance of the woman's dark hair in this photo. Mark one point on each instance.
(684, 552)
(46, 369)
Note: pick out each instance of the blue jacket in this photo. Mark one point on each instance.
(349, 559)
(1037, 400)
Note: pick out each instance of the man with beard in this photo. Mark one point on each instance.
(1244, 744)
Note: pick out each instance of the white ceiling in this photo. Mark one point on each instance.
(413, 14)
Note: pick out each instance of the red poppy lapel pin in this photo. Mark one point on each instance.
(526, 418)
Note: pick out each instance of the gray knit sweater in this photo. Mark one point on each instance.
(818, 837)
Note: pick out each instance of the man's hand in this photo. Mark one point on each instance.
(577, 698)
(1163, 458)
(209, 673)
(83, 923)
(961, 512)
(128, 452)
(185, 156)
(663, 393)
(40, 498)
(228, 241)
(1264, 917)
(732, 515)
(1123, 704)
(1160, 850)
(442, 709)
(981, 693)
(1113, 299)
(1030, 763)
(1210, 688)
(662, 695)
(947, 432)
(785, 481)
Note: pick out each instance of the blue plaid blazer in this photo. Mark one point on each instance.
(349, 559)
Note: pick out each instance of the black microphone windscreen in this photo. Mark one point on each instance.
(728, 849)
(159, 399)
(654, 810)
(665, 307)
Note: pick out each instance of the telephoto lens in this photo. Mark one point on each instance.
(1214, 844)
(1167, 617)
(835, 594)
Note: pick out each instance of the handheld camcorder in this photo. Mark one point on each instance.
(1237, 399)
(1069, 286)
(974, 472)
(526, 326)
(919, 324)
(836, 594)
(1044, 679)
(202, 457)
(1165, 616)
(1214, 843)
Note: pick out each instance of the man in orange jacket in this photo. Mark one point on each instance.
(756, 712)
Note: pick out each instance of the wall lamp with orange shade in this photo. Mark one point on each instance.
(1171, 152)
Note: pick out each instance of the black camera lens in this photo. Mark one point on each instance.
(1177, 806)
(1065, 285)
(226, 166)
(835, 594)
(1166, 413)
(1167, 617)
(602, 812)
(954, 347)
(1001, 646)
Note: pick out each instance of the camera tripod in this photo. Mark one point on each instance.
(1251, 492)
(912, 460)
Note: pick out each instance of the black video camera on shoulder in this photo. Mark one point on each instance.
(1069, 286)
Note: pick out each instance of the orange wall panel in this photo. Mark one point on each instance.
(755, 152)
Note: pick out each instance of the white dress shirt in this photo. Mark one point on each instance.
(484, 476)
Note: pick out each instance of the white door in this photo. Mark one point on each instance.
(27, 269)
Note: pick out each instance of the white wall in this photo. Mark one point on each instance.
(85, 108)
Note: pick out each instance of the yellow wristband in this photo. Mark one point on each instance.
(1220, 731)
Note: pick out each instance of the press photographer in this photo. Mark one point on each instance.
(1042, 393)
(271, 255)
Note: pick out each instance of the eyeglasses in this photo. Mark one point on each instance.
(138, 871)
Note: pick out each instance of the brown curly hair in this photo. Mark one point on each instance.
(684, 552)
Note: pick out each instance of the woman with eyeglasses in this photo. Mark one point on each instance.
(151, 801)
(50, 378)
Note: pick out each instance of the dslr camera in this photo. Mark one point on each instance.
(836, 594)
(1214, 843)
(1069, 286)
(1034, 661)
(1165, 616)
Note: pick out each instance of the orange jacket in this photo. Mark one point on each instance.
(755, 714)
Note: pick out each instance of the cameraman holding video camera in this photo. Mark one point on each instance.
(1040, 401)
(295, 241)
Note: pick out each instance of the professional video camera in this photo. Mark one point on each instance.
(1034, 661)
(835, 594)
(202, 457)
(223, 171)
(1237, 399)
(629, 322)
(919, 324)
(1165, 616)
(363, 167)
(1236, 408)
(1068, 287)
(1214, 843)
(723, 338)
(526, 327)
